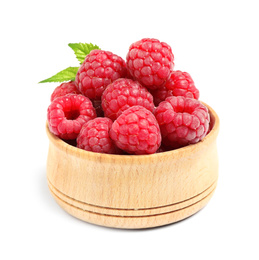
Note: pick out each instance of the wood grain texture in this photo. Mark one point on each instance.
(133, 191)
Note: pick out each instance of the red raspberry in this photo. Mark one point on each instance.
(182, 121)
(160, 94)
(182, 84)
(67, 114)
(94, 136)
(150, 62)
(64, 89)
(136, 131)
(122, 94)
(99, 69)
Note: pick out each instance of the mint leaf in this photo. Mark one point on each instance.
(64, 75)
(82, 49)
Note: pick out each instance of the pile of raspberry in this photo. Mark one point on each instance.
(140, 105)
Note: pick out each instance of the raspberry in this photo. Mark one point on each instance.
(136, 131)
(182, 121)
(122, 94)
(94, 136)
(98, 70)
(160, 94)
(182, 84)
(67, 114)
(150, 61)
(64, 89)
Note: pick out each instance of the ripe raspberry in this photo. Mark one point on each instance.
(64, 89)
(122, 94)
(160, 94)
(182, 84)
(182, 121)
(99, 69)
(136, 131)
(94, 136)
(150, 62)
(67, 114)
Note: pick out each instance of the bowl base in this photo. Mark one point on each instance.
(133, 218)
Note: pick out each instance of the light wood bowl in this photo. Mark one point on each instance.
(134, 191)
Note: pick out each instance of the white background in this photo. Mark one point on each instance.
(215, 41)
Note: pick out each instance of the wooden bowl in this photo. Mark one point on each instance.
(134, 191)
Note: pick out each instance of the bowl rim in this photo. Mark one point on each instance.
(75, 151)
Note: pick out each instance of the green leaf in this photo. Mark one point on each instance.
(82, 49)
(64, 75)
